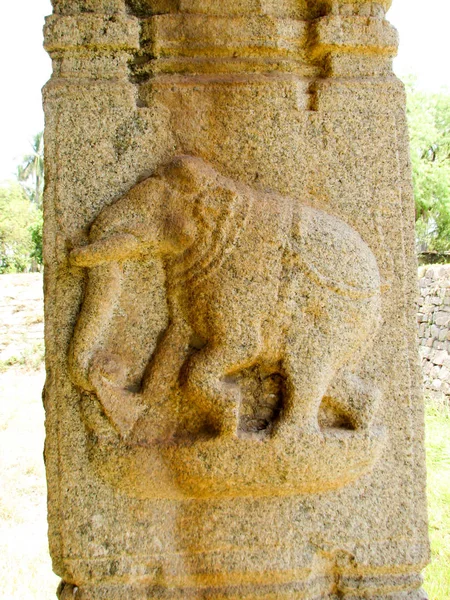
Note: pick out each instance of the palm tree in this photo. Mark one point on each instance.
(31, 171)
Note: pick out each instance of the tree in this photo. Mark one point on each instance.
(31, 172)
(429, 126)
(18, 217)
(36, 238)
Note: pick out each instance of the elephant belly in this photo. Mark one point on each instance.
(238, 300)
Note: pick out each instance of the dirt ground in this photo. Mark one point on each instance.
(21, 320)
(25, 565)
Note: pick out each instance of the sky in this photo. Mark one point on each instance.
(25, 67)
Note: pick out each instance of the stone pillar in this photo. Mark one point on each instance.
(232, 396)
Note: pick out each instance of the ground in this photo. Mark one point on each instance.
(25, 568)
(25, 571)
(21, 321)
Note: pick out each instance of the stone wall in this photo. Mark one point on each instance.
(434, 329)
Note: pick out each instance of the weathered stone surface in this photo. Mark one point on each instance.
(233, 405)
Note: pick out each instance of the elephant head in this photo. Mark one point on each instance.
(156, 215)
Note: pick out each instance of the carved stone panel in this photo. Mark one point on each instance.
(270, 305)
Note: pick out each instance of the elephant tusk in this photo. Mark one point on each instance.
(115, 248)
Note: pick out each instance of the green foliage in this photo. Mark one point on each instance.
(18, 218)
(31, 172)
(36, 238)
(429, 126)
(21, 214)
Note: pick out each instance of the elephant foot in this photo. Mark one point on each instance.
(220, 406)
(123, 408)
(228, 427)
(355, 398)
(294, 428)
(230, 405)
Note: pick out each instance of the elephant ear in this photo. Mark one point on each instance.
(214, 207)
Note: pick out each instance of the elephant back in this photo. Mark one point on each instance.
(334, 254)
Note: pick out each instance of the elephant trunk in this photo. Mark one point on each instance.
(114, 248)
(121, 231)
(102, 295)
(125, 228)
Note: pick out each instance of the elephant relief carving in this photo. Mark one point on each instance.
(254, 281)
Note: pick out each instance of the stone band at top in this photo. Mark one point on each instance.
(199, 37)
(300, 9)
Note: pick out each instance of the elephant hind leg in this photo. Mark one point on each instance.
(345, 393)
(309, 365)
(355, 398)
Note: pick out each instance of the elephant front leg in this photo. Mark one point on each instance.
(164, 368)
(122, 407)
(206, 384)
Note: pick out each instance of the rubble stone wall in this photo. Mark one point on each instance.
(434, 329)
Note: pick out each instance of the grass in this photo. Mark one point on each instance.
(30, 357)
(25, 566)
(437, 574)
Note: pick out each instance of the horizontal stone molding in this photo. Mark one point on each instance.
(202, 43)
(79, 65)
(92, 32)
(357, 7)
(202, 35)
(269, 581)
(70, 7)
(353, 34)
(300, 9)
(215, 67)
(281, 8)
